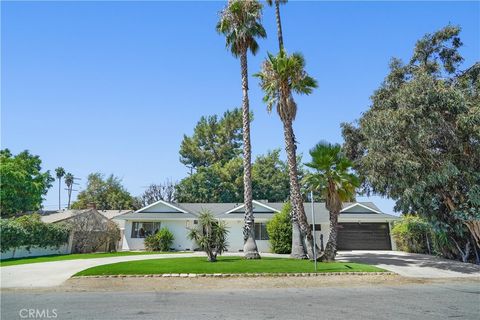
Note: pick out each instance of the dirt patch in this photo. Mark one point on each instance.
(189, 284)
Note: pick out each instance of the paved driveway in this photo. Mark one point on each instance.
(51, 274)
(412, 264)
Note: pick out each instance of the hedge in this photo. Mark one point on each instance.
(29, 231)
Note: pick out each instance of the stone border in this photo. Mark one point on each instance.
(235, 275)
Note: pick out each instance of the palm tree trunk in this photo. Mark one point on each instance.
(279, 25)
(59, 199)
(301, 229)
(250, 246)
(331, 247)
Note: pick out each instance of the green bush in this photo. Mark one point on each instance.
(161, 241)
(279, 230)
(29, 231)
(410, 234)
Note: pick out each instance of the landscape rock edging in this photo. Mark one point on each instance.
(236, 275)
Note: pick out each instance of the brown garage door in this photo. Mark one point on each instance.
(364, 236)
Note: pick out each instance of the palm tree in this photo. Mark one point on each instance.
(240, 24)
(334, 181)
(69, 179)
(60, 173)
(279, 21)
(210, 235)
(280, 77)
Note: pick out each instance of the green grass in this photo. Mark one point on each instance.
(75, 256)
(223, 265)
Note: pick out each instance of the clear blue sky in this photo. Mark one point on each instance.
(113, 86)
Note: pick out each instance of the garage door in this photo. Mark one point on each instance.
(363, 236)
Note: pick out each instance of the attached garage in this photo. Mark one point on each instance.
(363, 236)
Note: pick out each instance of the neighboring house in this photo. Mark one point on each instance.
(362, 226)
(91, 220)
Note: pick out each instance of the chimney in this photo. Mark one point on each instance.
(91, 205)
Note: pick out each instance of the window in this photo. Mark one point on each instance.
(143, 229)
(318, 227)
(261, 231)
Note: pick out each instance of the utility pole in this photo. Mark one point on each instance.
(314, 238)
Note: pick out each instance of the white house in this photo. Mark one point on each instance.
(362, 226)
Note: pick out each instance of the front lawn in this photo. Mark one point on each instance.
(75, 256)
(200, 265)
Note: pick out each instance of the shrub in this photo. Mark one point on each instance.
(279, 230)
(411, 234)
(210, 235)
(161, 241)
(30, 231)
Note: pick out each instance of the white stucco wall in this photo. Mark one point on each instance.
(34, 252)
(177, 227)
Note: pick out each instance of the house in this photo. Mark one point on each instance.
(90, 223)
(362, 226)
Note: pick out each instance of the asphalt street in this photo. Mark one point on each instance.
(458, 300)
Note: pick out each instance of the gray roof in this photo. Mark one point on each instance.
(220, 210)
(57, 216)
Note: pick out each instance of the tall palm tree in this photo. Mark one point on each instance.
(240, 23)
(69, 179)
(279, 21)
(280, 77)
(334, 181)
(60, 172)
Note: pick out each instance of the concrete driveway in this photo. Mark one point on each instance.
(51, 274)
(412, 264)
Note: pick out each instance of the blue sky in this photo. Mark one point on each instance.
(113, 86)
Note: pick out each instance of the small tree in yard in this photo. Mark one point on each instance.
(210, 235)
(161, 241)
(279, 230)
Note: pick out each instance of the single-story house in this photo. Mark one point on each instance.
(362, 226)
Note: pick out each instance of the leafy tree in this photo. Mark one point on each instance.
(270, 178)
(280, 77)
(279, 230)
(22, 185)
(223, 183)
(411, 234)
(240, 24)
(216, 183)
(419, 143)
(210, 235)
(334, 181)
(60, 172)
(106, 194)
(155, 192)
(214, 140)
(161, 241)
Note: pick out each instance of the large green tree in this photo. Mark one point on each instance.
(22, 184)
(280, 77)
(333, 180)
(240, 23)
(223, 182)
(419, 142)
(214, 140)
(106, 194)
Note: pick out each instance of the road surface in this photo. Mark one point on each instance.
(454, 299)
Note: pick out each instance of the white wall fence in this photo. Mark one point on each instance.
(22, 252)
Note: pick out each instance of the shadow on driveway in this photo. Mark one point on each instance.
(411, 264)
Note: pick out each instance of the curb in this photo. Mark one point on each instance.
(237, 275)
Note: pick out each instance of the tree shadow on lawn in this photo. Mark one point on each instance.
(409, 259)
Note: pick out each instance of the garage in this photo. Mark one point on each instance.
(363, 236)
